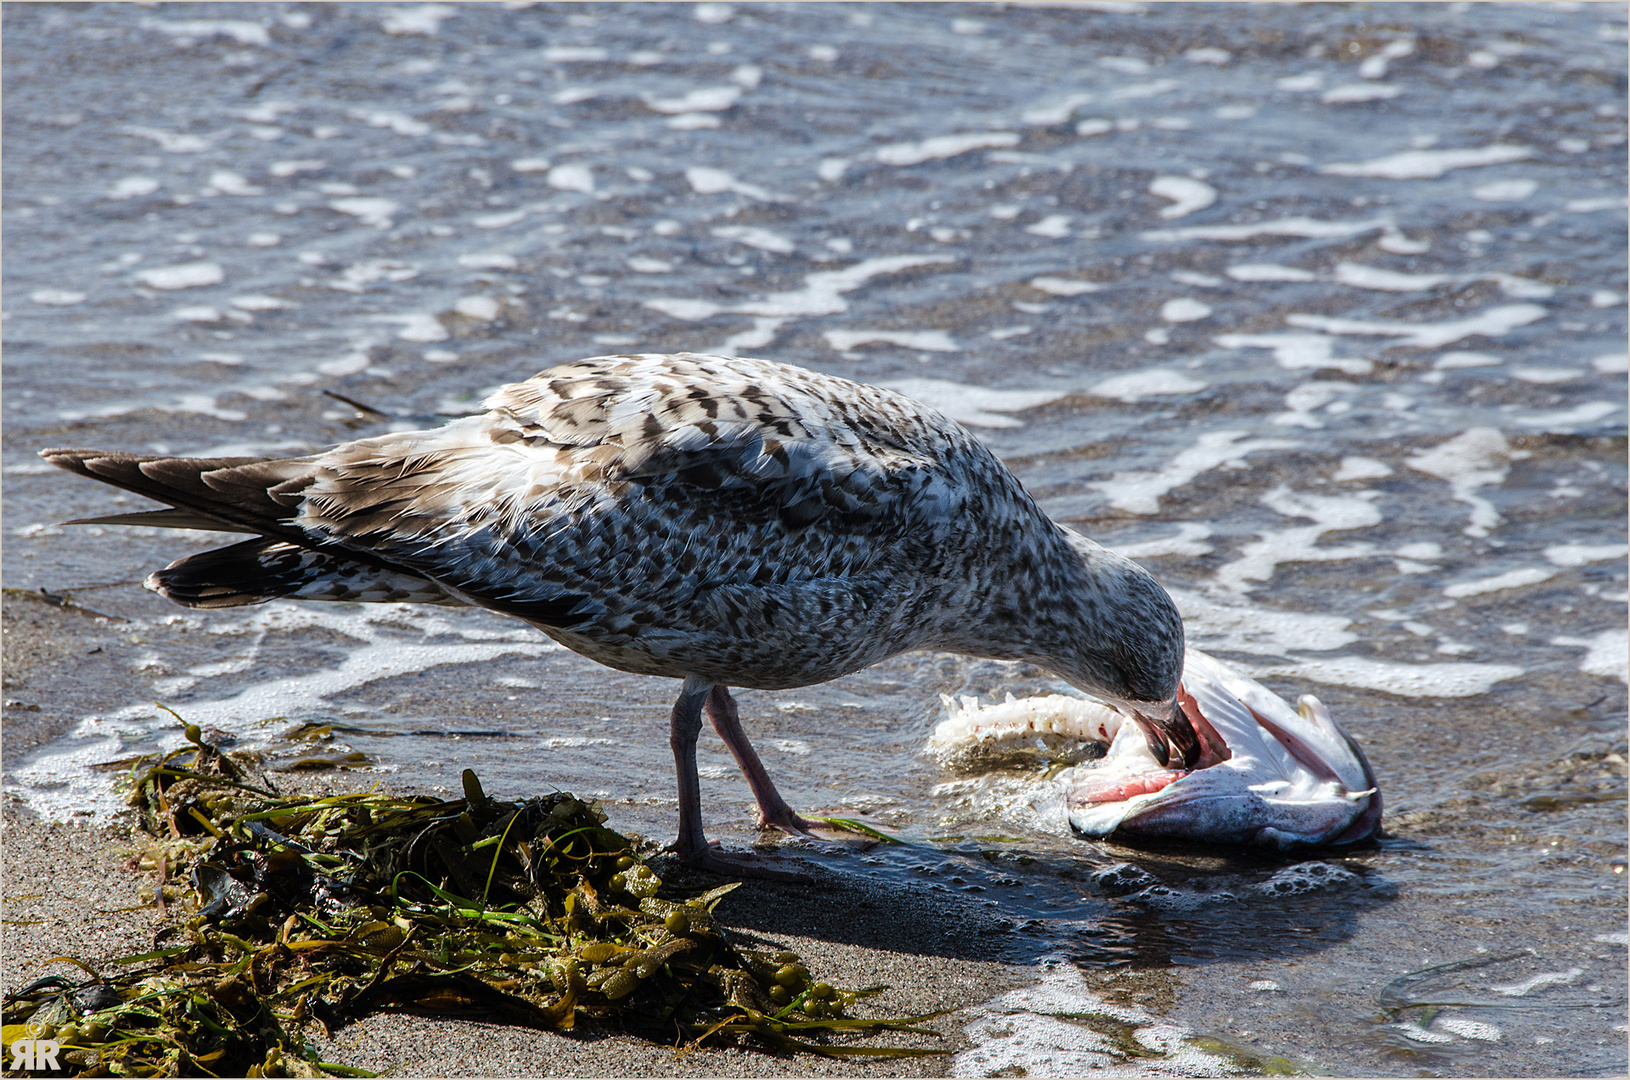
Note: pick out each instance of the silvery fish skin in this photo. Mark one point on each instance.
(1269, 775)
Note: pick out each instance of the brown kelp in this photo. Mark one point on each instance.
(298, 914)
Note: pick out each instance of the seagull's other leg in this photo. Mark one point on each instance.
(772, 808)
(693, 847)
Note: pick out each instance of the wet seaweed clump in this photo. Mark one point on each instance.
(296, 915)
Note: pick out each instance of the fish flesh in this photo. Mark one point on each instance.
(1268, 775)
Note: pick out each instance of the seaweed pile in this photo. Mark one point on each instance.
(300, 912)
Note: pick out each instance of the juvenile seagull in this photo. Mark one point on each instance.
(725, 521)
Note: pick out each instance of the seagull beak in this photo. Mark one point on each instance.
(1169, 734)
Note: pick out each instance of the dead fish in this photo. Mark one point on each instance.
(1267, 775)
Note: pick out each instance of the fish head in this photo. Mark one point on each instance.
(1266, 774)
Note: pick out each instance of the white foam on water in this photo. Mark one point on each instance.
(1538, 982)
(284, 169)
(1044, 1030)
(822, 293)
(706, 99)
(1351, 93)
(713, 13)
(1329, 513)
(1374, 277)
(1545, 376)
(756, 237)
(187, 31)
(488, 260)
(1430, 164)
(57, 297)
(1299, 84)
(1450, 360)
(1568, 419)
(131, 187)
(1055, 112)
(1590, 206)
(369, 209)
(571, 177)
(1139, 492)
(575, 54)
(500, 220)
(1139, 91)
(61, 779)
(1269, 272)
(479, 308)
(422, 19)
(943, 146)
(1505, 190)
(420, 326)
(1607, 654)
(1361, 468)
(1185, 309)
(399, 122)
(1137, 385)
(1309, 228)
(1299, 351)
(1491, 322)
(1053, 227)
(1511, 579)
(1208, 55)
(171, 142)
(1619, 938)
(1186, 193)
(921, 340)
(1469, 1029)
(1190, 277)
(1416, 1033)
(1307, 398)
(185, 276)
(1584, 554)
(976, 406)
(1057, 286)
(1478, 457)
(706, 180)
(1188, 542)
(1455, 680)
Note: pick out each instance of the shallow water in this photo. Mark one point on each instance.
(1319, 312)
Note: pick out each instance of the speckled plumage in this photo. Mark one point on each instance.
(723, 520)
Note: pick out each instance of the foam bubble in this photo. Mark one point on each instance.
(1568, 419)
(1361, 468)
(1184, 309)
(1454, 680)
(1374, 277)
(1505, 190)
(1053, 226)
(1269, 272)
(1137, 385)
(184, 276)
(1478, 457)
(705, 99)
(57, 297)
(1607, 654)
(1352, 93)
(1538, 982)
(1329, 513)
(1491, 322)
(1139, 492)
(1058, 286)
(575, 54)
(1188, 542)
(1296, 351)
(131, 187)
(978, 406)
(921, 340)
(1512, 579)
(572, 177)
(422, 19)
(1583, 554)
(370, 210)
(1186, 193)
(1309, 228)
(187, 31)
(756, 237)
(1430, 164)
(705, 180)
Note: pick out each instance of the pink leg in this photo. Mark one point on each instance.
(772, 808)
(693, 847)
